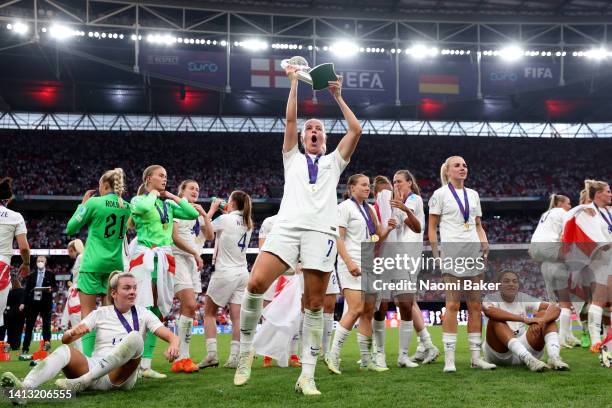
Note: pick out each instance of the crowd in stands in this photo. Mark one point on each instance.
(62, 163)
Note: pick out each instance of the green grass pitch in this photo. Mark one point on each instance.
(585, 385)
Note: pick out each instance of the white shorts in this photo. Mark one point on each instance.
(3, 298)
(332, 286)
(508, 358)
(104, 383)
(601, 267)
(313, 249)
(186, 274)
(227, 287)
(544, 251)
(348, 281)
(459, 253)
(556, 277)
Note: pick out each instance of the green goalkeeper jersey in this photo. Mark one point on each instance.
(107, 224)
(154, 218)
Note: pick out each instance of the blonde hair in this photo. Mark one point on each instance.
(115, 178)
(555, 199)
(380, 181)
(444, 170)
(243, 203)
(303, 133)
(183, 186)
(592, 187)
(113, 283)
(410, 177)
(145, 175)
(584, 197)
(77, 245)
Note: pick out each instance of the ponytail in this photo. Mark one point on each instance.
(77, 245)
(444, 170)
(116, 180)
(113, 283)
(584, 199)
(555, 199)
(592, 187)
(145, 175)
(244, 204)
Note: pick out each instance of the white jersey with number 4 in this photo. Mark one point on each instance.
(312, 207)
(11, 225)
(550, 227)
(452, 223)
(110, 331)
(231, 242)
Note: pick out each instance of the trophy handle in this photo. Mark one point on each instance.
(304, 77)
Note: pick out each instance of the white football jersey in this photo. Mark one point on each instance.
(351, 218)
(524, 305)
(186, 231)
(11, 225)
(550, 226)
(231, 242)
(312, 207)
(110, 331)
(452, 228)
(266, 226)
(404, 233)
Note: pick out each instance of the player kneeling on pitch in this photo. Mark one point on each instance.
(513, 338)
(120, 330)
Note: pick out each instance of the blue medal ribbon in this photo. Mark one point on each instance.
(365, 213)
(465, 211)
(125, 323)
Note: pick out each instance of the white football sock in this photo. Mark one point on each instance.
(405, 335)
(475, 341)
(365, 344)
(517, 348)
(450, 343)
(552, 344)
(328, 327)
(311, 342)
(184, 334)
(379, 335)
(564, 323)
(250, 312)
(48, 368)
(424, 338)
(211, 347)
(339, 338)
(234, 348)
(145, 363)
(595, 313)
(130, 347)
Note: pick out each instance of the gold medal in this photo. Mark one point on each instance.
(466, 225)
(375, 238)
(165, 226)
(313, 188)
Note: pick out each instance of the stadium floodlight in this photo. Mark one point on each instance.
(19, 28)
(511, 53)
(420, 51)
(344, 48)
(596, 53)
(254, 45)
(61, 32)
(223, 43)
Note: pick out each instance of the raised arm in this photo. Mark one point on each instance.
(347, 145)
(291, 132)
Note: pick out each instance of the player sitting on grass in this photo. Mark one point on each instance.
(513, 338)
(120, 330)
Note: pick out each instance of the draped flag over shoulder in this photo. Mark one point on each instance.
(582, 238)
(282, 321)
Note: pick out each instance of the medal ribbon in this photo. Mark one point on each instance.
(465, 211)
(125, 323)
(313, 168)
(365, 213)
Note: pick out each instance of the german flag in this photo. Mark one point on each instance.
(439, 84)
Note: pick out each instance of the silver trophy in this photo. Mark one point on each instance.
(301, 66)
